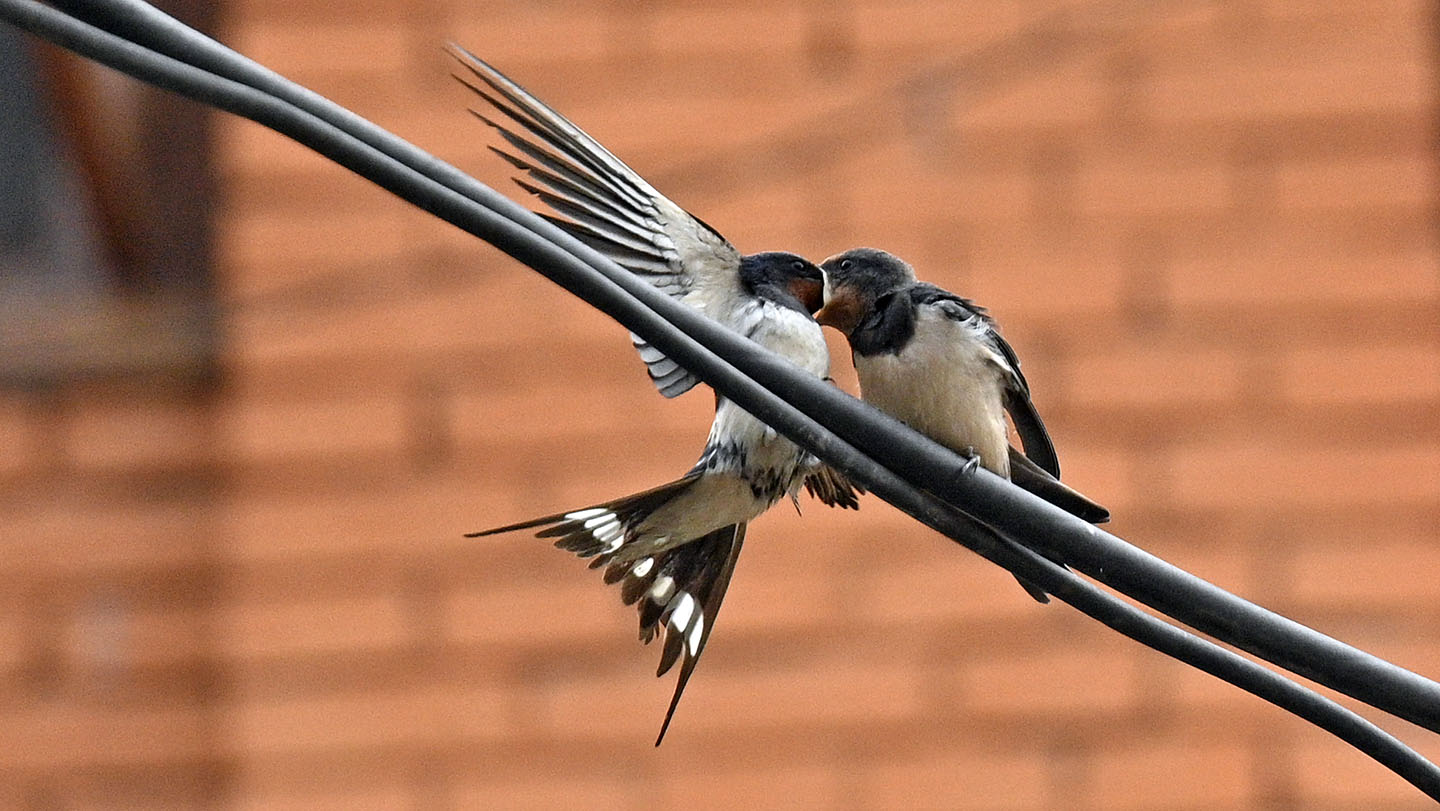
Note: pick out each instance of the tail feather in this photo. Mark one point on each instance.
(690, 614)
(601, 530)
(677, 591)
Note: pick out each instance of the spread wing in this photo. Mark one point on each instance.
(607, 205)
(1038, 446)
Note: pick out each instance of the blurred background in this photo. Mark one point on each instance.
(249, 403)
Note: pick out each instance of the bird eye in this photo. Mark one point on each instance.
(797, 266)
(845, 264)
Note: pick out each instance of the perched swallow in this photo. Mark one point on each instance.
(936, 362)
(673, 548)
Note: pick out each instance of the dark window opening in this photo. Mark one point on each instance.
(107, 195)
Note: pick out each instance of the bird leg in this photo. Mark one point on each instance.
(972, 460)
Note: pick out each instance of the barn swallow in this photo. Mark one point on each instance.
(937, 362)
(672, 548)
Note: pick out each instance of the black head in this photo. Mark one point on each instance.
(855, 280)
(783, 278)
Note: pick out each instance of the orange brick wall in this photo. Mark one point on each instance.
(1209, 228)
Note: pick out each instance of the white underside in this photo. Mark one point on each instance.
(724, 495)
(946, 384)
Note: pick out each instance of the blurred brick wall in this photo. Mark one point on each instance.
(1209, 228)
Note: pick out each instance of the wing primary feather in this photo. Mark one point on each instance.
(598, 185)
(1029, 476)
(548, 119)
(540, 129)
(604, 203)
(1038, 446)
(642, 263)
(621, 217)
(596, 219)
(544, 162)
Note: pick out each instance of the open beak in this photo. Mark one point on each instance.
(841, 310)
(810, 293)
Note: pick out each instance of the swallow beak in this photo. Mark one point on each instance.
(841, 310)
(809, 292)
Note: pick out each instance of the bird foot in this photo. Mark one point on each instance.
(972, 461)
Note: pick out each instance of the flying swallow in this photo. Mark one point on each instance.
(672, 548)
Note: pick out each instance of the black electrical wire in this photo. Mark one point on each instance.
(560, 263)
(1106, 558)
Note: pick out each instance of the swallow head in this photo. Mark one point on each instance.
(777, 275)
(854, 281)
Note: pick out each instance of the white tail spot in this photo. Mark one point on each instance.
(681, 614)
(661, 591)
(581, 515)
(600, 520)
(692, 639)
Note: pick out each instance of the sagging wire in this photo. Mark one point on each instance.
(877, 451)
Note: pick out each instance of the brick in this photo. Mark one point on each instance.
(624, 705)
(1109, 190)
(1216, 195)
(1019, 276)
(243, 146)
(578, 608)
(1327, 772)
(826, 690)
(1406, 373)
(688, 29)
(1101, 471)
(1256, 34)
(1184, 690)
(1286, 271)
(357, 425)
(615, 400)
(59, 735)
(798, 784)
(267, 253)
(365, 795)
(75, 531)
(138, 433)
(551, 791)
(964, 779)
(647, 125)
(316, 627)
(1250, 475)
(278, 10)
(1154, 376)
(954, 586)
(512, 38)
(111, 633)
(1223, 91)
(20, 435)
(1065, 683)
(768, 596)
(1377, 574)
(289, 524)
(1166, 775)
(321, 48)
(412, 715)
(1062, 96)
(1400, 181)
